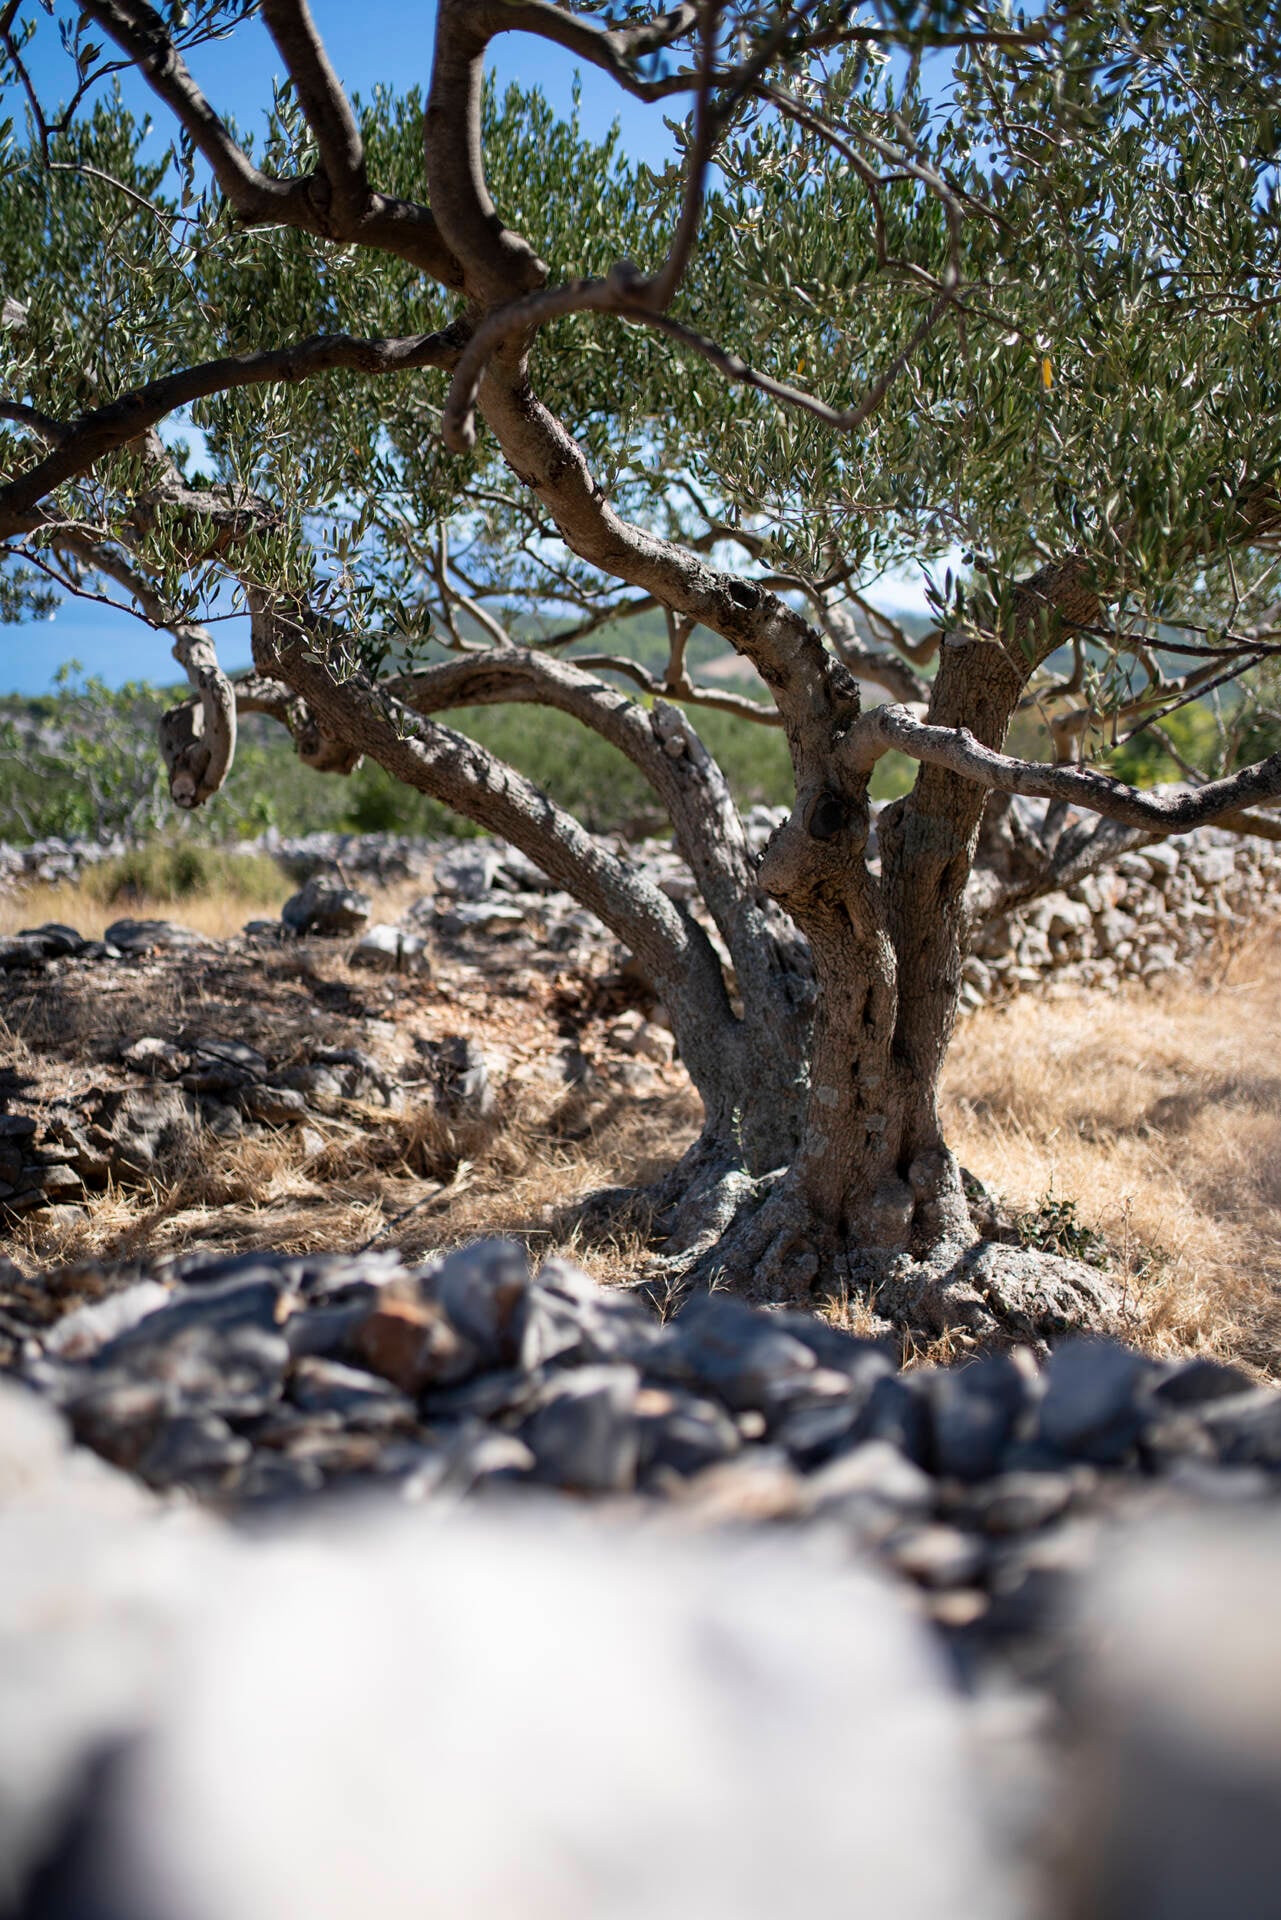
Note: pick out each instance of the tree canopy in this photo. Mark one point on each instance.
(988, 292)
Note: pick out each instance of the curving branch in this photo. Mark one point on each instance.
(48, 429)
(198, 741)
(622, 293)
(660, 743)
(325, 106)
(882, 669)
(197, 737)
(956, 749)
(257, 199)
(290, 644)
(107, 428)
(691, 692)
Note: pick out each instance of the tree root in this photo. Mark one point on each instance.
(995, 1294)
(723, 1230)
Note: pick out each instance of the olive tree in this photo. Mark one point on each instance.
(988, 293)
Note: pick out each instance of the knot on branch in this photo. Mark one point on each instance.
(186, 754)
(320, 750)
(198, 738)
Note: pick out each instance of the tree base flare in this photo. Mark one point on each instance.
(990, 1294)
(985, 1292)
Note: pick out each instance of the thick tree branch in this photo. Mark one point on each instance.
(326, 107)
(107, 428)
(660, 743)
(672, 948)
(956, 749)
(497, 263)
(396, 226)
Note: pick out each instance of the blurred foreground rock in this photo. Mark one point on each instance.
(385, 1713)
(1177, 1773)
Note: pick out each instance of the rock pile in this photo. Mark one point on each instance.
(265, 1376)
(1152, 915)
(738, 1520)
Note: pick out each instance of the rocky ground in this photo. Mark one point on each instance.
(370, 1581)
(963, 1518)
(146, 1057)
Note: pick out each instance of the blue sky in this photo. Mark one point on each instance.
(368, 41)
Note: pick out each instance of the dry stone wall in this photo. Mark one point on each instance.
(1154, 914)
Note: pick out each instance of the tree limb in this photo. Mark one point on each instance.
(112, 426)
(956, 749)
(396, 226)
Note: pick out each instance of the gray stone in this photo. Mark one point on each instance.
(312, 1082)
(362, 1400)
(505, 1391)
(468, 871)
(224, 1066)
(324, 1333)
(275, 1106)
(60, 942)
(23, 953)
(135, 937)
(1198, 1381)
(55, 1180)
(481, 1288)
(476, 1458)
(251, 1298)
(389, 950)
(768, 1752)
(566, 1317)
(82, 1332)
(973, 1411)
(1020, 1502)
(494, 917)
(167, 1366)
(873, 1486)
(1246, 1428)
(1093, 1407)
(897, 1412)
(462, 1078)
(811, 1434)
(682, 1433)
(197, 1450)
(585, 1432)
(144, 1130)
(153, 1055)
(326, 908)
(865, 1361)
(732, 1351)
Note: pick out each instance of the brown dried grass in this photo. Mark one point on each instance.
(217, 913)
(1159, 1114)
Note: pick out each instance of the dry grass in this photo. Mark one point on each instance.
(1159, 1115)
(410, 1179)
(218, 915)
